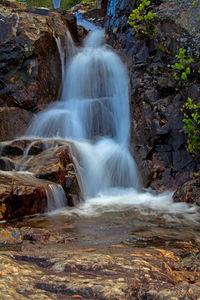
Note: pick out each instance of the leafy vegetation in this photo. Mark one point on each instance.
(182, 66)
(140, 19)
(191, 122)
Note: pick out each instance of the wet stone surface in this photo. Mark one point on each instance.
(114, 256)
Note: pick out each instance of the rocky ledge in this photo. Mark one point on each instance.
(54, 265)
(36, 176)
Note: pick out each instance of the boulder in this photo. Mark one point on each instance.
(189, 192)
(55, 164)
(35, 174)
(21, 195)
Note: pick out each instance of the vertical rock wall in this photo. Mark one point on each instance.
(158, 138)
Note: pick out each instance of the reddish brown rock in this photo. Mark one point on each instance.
(13, 122)
(10, 239)
(21, 195)
(47, 161)
(188, 192)
(55, 164)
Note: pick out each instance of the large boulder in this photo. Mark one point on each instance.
(158, 139)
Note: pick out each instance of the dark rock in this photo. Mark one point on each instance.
(158, 138)
(143, 55)
(41, 262)
(6, 164)
(13, 122)
(30, 65)
(188, 192)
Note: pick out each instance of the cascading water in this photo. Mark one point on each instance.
(56, 3)
(94, 115)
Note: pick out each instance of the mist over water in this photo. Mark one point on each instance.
(93, 113)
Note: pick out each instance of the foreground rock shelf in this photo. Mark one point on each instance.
(63, 262)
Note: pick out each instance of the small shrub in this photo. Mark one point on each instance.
(191, 122)
(182, 67)
(139, 19)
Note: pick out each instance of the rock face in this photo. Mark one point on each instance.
(155, 97)
(189, 192)
(21, 196)
(47, 179)
(30, 64)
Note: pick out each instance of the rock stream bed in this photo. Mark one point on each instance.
(121, 255)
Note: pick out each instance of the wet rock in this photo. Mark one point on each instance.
(189, 192)
(125, 273)
(56, 165)
(6, 164)
(42, 236)
(46, 160)
(21, 195)
(10, 239)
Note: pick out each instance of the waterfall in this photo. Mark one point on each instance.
(93, 114)
(56, 3)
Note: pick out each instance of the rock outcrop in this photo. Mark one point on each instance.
(189, 192)
(30, 63)
(155, 98)
(45, 179)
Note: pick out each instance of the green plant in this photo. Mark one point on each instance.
(191, 122)
(139, 19)
(182, 68)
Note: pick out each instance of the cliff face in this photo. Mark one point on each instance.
(155, 97)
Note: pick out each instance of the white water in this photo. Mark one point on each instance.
(56, 3)
(94, 114)
(55, 197)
